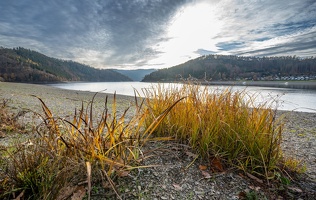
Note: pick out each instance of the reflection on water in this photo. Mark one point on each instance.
(288, 99)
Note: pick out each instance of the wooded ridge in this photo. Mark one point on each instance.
(226, 67)
(24, 65)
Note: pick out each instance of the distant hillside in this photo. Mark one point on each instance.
(221, 67)
(136, 74)
(24, 65)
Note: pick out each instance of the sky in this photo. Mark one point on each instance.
(136, 34)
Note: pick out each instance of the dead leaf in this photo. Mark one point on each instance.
(177, 187)
(66, 192)
(216, 164)
(206, 175)
(202, 167)
(122, 173)
(242, 195)
(79, 193)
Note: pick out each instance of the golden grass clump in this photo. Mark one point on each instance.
(223, 124)
(57, 156)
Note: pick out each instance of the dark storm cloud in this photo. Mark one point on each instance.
(123, 30)
(134, 26)
(44, 20)
(52, 27)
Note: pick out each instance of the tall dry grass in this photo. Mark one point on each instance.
(223, 124)
(56, 157)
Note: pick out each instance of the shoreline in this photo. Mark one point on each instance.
(290, 84)
(20, 95)
(299, 134)
(309, 85)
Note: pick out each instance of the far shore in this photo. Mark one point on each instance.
(311, 85)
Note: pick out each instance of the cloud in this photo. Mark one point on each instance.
(256, 27)
(300, 43)
(204, 52)
(121, 30)
(226, 46)
(158, 33)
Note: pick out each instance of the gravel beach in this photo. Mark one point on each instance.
(171, 181)
(62, 102)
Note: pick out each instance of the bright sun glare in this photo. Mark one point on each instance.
(187, 34)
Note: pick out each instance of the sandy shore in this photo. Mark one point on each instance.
(62, 102)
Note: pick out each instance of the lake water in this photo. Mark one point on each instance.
(289, 99)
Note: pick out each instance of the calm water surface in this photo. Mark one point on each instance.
(289, 99)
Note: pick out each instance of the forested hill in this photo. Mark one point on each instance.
(24, 65)
(223, 67)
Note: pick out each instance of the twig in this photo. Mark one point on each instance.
(112, 184)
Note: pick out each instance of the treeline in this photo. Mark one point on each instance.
(24, 65)
(224, 67)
